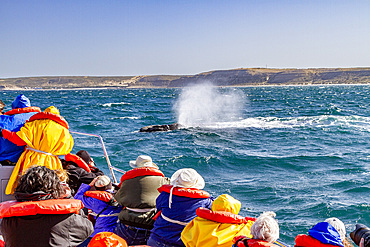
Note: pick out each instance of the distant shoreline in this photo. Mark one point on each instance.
(243, 77)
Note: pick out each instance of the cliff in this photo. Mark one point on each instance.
(225, 78)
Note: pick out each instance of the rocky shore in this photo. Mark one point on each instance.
(223, 78)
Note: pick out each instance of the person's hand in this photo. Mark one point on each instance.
(93, 182)
(362, 243)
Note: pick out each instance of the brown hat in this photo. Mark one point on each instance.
(84, 155)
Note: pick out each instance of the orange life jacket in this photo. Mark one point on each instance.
(303, 240)
(100, 195)
(185, 192)
(140, 171)
(223, 216)
(53, 206)
(253, 243)
(23, 110)
(52, 116)
(78, 160)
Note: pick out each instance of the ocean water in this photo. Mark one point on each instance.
(300, 151)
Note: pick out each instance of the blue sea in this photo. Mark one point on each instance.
(300, 151)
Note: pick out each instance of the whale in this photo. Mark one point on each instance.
(163, 127)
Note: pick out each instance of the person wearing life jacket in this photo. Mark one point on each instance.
(137, 194)
(81, 168)
(13, 120)
(329, 233)
(218, 226)
(38, 217)
(98, 197)
(46, 136)
(177, 204)
(265, 231)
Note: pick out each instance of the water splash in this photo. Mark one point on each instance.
(202, 105)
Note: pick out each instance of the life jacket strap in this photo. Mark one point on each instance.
(174, 221)
(39, 151)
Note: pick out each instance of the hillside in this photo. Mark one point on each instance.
(224, 78)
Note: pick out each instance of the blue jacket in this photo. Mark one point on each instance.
(108, 219)
(8, 150)
(326, 234)
(182, 209)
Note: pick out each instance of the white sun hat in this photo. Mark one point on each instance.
(187, 178)
(338, 225)
(142, 161)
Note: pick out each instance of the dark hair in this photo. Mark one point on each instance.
(40, 178)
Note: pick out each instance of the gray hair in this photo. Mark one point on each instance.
(266, 227)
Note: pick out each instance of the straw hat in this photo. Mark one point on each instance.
(142, 161)
(187, 178)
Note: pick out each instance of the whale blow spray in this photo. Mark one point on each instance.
(204, 105)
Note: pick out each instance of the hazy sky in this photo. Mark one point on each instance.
(117, 37)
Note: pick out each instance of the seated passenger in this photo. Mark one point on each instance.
(63, 177)
(98, 197)
(13, 120)
(137, 194)
(38, 217)
(46, 135)
(177, 204)
(265, 231)
(81, 168)
(218, 226)
(2, 106)
(331, 232)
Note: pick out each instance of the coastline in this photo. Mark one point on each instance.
(255, 77)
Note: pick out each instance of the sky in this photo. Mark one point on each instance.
(179, 37)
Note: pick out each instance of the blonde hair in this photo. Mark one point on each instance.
(62, 175)
(266, 227)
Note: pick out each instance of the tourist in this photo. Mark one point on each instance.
(331, 232)
(2, 106)
(265, 231)
(46, 136)
(137, 194)
(177, 203)
(37, 220)
(63, 177)
(98, 197)
(81, 168)
(13, 120)
(218, 226)
(107, 239)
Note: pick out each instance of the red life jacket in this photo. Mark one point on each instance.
(253, 243)
(52, 116)
(303, 240)
(53, 206)
(140, 171)
(223, 216)
(23, 110)
(185, 192)
(100, 195)
(78, 160)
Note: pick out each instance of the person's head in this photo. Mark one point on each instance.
(40, 179)
(226, 203)
(103, 183)
(83, 154)
(187, 178)
(21, 101)
(266, 227)
(2, 106)
(339, 226)
(52, 109)
(142, 161)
